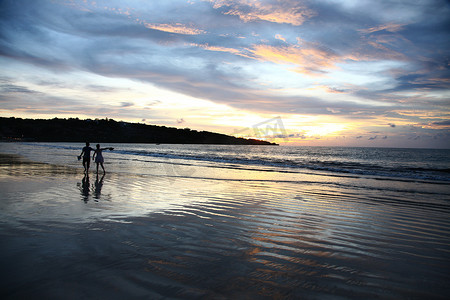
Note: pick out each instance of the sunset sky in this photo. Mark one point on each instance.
(322, 72)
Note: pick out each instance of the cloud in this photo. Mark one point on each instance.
(384, 27)
(333, 110)
(175, 28)
(12, 88)
(219, 49)
(331, 90)
(288, 12)
(280, 37)
(99, 88)
(307, 59)
(154, 102)
(445, 124)
(286, 137)
(126, 104)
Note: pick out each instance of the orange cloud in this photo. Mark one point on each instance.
(283, 12)
(220, 49)
(308, 60)
(280, 37)
(175, 28)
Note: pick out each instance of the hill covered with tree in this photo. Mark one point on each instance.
(109, 131)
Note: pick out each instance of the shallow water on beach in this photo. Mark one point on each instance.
(189, 229)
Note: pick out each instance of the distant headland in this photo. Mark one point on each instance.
(109, 131)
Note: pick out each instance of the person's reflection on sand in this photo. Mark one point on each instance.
(98, 187)
(85, 188)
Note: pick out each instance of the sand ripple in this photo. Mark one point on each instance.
(188, 238)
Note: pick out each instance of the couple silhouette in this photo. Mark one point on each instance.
(97, 157)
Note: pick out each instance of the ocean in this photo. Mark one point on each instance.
(225, 222)
(381, 163)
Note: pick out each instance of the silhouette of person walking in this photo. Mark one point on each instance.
(86, 154)
(98, 156)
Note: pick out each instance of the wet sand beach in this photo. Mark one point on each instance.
(242, 234)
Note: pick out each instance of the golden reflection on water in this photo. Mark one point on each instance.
(13, 166)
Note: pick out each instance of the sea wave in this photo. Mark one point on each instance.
(290, 165)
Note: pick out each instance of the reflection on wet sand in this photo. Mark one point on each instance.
(15, 165)
(86, 188)
(155, 237)
(98, 187)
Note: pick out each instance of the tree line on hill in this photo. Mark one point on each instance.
(109, 131)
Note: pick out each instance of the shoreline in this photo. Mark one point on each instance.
(359, 168)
